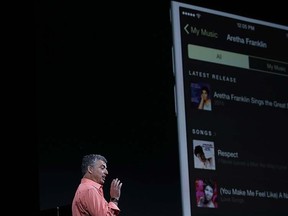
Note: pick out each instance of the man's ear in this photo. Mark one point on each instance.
(90, 169)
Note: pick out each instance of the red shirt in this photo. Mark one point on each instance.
(89, 200)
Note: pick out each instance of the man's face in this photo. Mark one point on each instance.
(99, 172)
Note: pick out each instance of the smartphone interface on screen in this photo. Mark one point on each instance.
(231, 93)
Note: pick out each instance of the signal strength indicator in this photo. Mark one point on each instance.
(189, 14)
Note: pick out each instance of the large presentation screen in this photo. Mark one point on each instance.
(231, 93)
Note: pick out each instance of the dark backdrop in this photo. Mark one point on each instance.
(104, 84)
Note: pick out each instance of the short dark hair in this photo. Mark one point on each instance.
(208, 182)
(198, 150)
(90, 160)
(206, 89)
